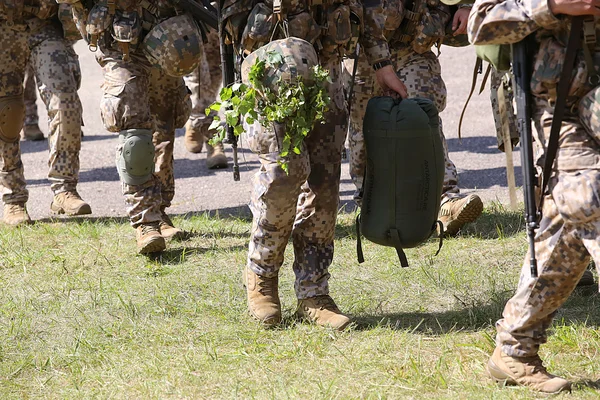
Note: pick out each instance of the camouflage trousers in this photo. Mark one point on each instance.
(421, 73)
(569, 231)
(302, 204)
(139, 96)
(57, 72)
(205, 83)
(30, 96)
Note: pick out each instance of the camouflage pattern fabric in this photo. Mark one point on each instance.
(205, 83)
(372, 40)
(303, 204)
(30, 95)
(57, 72)
(421, 73)
(139, 96)
(570, 226)
(501, 97)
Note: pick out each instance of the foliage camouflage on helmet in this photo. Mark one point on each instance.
(286, 60)
(174, 45)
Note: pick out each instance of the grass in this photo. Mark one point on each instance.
(81, 316)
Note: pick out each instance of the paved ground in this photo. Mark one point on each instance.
(481, 166)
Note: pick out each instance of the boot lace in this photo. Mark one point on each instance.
(147, 228)
(326, 303)
(267, 286)
(14, 209)
(536, 365)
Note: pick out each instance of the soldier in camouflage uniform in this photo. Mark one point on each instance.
(302, 204)
(570, 227)
(31, 130)
(144, 49)
(205, 83)
(411, 34)
(33, 34)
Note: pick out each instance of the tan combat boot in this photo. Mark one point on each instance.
(167, 229)
(524, 371)
(149, 239)
(455, 213)
(70, 203)
(263, 297)
(215, 156)
(15, 214)
(323, 311)
(32, 132)
(193, 139)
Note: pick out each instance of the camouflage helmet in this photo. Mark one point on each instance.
(286, 60)
(174, 45)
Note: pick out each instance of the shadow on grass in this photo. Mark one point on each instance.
(178, 255)
(581, 308)
(587, 383)
(495, 222)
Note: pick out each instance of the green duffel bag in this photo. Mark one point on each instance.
(404, 173)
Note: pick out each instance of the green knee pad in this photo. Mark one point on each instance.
(135, 158)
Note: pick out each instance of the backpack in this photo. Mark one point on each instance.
(404, 174)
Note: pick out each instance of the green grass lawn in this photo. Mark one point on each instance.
(82, 316)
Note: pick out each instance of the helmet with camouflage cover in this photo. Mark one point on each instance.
(286, 60)
(174, 45)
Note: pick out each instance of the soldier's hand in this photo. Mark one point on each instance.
(459, 23)
(389, 82)
(575, 7)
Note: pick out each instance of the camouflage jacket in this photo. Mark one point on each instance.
(420, 25)
(250, 24)
(23, 13)
(509, 21)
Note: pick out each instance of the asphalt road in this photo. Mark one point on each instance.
(480, 165)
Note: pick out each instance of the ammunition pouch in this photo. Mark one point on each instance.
(126, 31)
(67, 20)
(12, 115)
(259, 28)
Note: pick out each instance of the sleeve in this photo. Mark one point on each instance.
(440, 16)
(508, 21)
(373, 41)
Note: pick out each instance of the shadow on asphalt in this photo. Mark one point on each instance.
(475, 144)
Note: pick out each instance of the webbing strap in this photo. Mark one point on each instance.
(396, 239)
(359, 251)
(561, 101)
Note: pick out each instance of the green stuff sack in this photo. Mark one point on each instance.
(404, 173)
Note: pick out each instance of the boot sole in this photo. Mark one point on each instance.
(469, 213)
(154, 245)
(83, 210)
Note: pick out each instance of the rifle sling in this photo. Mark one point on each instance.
(561, 101)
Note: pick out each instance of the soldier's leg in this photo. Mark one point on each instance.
(170, 106)
(31, 129)
(210, 84)
(273, 205)
(364, 89)
(13, 46)
(314, 226)
(421, 73)
(125, 108)
(58, 75)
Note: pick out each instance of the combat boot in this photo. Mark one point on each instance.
(215, 156)
(70, 203)
(149, 239)
(323, 311)
(193, 139)
(455, 213)
(524, 371)
(263, 297)
(587, 279)
(167, 229)
(15, 214)
(32, 132)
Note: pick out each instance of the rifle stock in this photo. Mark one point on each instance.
(228, 70)
(521, 64)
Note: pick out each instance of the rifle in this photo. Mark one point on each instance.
(521, 72)
(521, 65)
(228, 71)
(204, 12)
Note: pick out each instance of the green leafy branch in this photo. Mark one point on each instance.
(296, 105)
